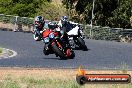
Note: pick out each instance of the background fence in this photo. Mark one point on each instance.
(107, 33)
(18, 22)
(16, 19)
(91, 32)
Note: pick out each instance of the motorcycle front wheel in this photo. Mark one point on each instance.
(72, 55)
(58, 51)
(82, 44)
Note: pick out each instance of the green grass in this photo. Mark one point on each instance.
(31, 82)
(9, 83)
(49, 83)
(1, 50)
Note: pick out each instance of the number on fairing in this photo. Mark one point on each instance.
(51, 35)
(46, 39)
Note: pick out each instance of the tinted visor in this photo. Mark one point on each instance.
(39, 22)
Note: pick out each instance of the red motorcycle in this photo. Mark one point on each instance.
(53, 45)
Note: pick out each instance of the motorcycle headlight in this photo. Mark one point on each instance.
(46, 39)
(51, 35)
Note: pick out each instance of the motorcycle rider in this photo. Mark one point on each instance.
(65, 24)
(54, 26)
(38, 27)
(39, 23)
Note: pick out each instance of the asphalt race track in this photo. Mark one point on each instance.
(101, 54)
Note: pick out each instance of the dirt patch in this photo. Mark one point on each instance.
(38, 73)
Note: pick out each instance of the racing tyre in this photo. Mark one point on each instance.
(58, 51)
(45, 52)
(81, 43)
(72, 55)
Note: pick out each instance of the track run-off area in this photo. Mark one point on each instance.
(101, 54)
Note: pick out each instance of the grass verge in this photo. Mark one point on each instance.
(32, 82)
(53, 83)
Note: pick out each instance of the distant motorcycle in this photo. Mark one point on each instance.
(55, 46)
(76, 37)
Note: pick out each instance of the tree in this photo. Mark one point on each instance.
(113, 13)
(22, 8)
(121, 15)
(51, 11)
(5, 6)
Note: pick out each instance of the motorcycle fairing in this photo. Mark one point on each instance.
(74, 31)
(46, 33)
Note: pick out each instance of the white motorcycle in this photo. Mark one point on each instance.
(76, 38)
